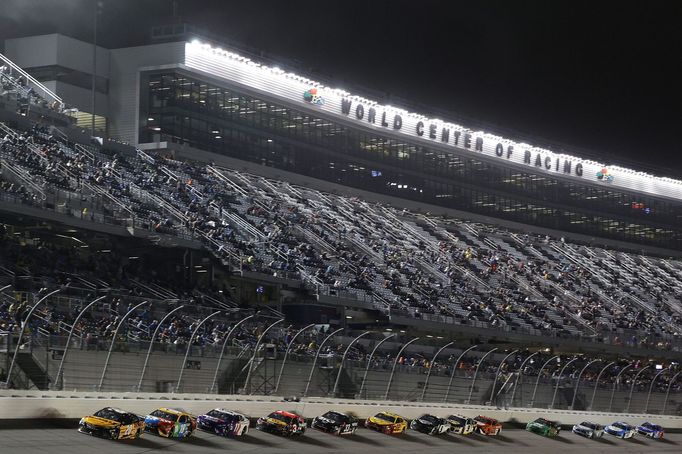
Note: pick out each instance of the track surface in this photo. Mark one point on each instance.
(51, 438)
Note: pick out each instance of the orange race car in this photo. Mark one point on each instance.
(487, 426)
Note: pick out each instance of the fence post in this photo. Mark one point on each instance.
(113, 341)
(369, 361)
(454, 369)
(596, 383)
(343, 358)
(537, 381)
(519, 377)
(68, 341)
(189, 349)
(428, 374)
(317, 354)
(473, 382)
(286, 353)
(499, 368)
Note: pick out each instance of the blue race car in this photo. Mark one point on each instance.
(620, 429)
(650, 430)
(224, 422)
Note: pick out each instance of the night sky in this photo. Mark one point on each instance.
(604, 76)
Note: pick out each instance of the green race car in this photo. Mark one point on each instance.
(544, 427)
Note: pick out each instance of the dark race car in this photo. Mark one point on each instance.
(282, 423)
(430, 424)
(224, 422)
(112, 423)
(336, 423)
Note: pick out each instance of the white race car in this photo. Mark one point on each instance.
(620, 429)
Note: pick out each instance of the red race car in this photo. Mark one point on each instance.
(487, 426)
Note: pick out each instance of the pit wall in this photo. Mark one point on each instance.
(16, 404)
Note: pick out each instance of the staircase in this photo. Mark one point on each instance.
(33, 370)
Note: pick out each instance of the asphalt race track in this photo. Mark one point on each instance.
(60, 438)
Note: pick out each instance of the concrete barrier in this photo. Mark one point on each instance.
(15, 404)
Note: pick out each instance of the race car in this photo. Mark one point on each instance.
(112, 423)
(336, 423)
(282, 423)
(588, 429)
(170, 423)
(620, 429)
(388, 423)
(650, 430)
(430, 424)
(461, 424)
(544, 427)
(224, 422)
(487, 426)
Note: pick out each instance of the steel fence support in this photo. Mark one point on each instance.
(151, 345)
(428, 374)
(113, 341)
(473, 382)
(519, 377)
(596, 383)
(247, 382)
(286, 353)
(667, 393)
(615, 383)
(189, 348)
(317, 355)
(395, 363)
(343, 358)
(454, 369)
(577, 383)
(558, 382)
(24, 324)
(651, 387)
(369, 361)
(537, 381)
(497, 374)
(632, 388)
(68, 341)
(222, 350)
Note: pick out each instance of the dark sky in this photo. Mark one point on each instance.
(601, 75)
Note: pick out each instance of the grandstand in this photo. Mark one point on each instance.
(208, 274)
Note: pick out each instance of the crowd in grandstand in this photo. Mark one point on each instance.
(407, 264)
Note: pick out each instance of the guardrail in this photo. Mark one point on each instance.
(56, 404)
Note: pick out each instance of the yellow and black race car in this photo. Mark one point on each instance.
(112, 423)
(388, 423)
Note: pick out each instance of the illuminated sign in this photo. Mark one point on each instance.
(395, 122)
(313, 97)
(604, 175)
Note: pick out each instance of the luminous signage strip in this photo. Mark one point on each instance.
(314, 96)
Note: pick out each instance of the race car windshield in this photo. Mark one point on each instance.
(542, 421)
(590, 425)
(108, 413)
(280, 417)
(164, 415)
(429, 418)
(620, 425)
(217, 414)
(648, 425)
(457, 419)
(334, 416)
(384, 417)
(484, 420)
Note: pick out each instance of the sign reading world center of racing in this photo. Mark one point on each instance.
(446, 134)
